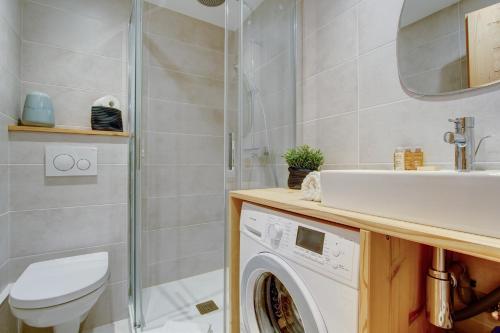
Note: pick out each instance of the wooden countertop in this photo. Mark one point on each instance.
(289, 200)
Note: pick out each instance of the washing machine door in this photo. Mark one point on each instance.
(275, 300)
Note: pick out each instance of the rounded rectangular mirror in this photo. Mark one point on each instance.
(447, 46)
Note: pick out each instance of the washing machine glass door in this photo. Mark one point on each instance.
(275, 300)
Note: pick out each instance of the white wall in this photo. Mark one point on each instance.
(355, 108)
(10, 50)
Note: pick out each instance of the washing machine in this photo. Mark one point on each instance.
(296, 275)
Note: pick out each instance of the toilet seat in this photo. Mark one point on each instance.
(55, 282)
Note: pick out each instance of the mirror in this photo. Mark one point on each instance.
(447, 46)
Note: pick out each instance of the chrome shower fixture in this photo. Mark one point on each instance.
(211, 3)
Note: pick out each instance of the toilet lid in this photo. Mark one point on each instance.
(58, 281)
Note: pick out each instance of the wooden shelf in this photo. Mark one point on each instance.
(17, 128)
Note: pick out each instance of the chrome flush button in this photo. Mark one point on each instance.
(83, 164)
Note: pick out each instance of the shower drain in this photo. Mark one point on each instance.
(207, 307)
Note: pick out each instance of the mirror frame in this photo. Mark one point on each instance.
(416, 93)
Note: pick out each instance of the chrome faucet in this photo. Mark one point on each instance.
(464, 141)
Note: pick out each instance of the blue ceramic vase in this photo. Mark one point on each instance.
(38, 110)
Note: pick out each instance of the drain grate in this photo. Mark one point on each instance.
(207, 307)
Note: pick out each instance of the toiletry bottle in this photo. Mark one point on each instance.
(399, 159)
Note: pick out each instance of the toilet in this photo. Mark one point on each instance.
(59, 293)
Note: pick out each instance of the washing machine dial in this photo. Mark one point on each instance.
(336, 250)
(275, 233)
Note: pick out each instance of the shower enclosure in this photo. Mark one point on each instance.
(213, 102)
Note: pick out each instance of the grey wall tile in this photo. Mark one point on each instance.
(184, 57)
(378, 23)
(335, 136)
(331, 92)
(29, 148)
(318, 13)
(181, 180)
(168, 212)
(49, 65)
(406, 124)
(179, 87)
(378, 77)
(43, 24)
(41, 231)
(173, 270)
(165, 116)
(11, 12)
(111, 306)
(170, 244)
(331, 45)
(166, 148)
(4, 239)
(10, 44)
(33, 190)
(10, 93)
(4, 189)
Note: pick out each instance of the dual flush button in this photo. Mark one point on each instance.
(70, 161)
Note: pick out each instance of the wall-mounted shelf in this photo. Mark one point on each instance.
(17, 128)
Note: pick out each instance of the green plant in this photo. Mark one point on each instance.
(304, 157)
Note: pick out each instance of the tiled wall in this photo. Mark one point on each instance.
(355, 108)
(10, 50)
(268, 66)
(76, 51)
(183, 203)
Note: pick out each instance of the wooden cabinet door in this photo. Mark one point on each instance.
(483, 45)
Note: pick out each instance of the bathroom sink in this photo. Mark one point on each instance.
(467, 202)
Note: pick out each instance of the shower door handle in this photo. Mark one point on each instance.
(230, 154)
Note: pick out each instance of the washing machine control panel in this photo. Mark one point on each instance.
(327, 249)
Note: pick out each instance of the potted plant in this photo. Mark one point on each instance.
(301, 161)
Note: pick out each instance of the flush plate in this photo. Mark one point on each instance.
(70, 161)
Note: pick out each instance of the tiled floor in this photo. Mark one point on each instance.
(170, 307)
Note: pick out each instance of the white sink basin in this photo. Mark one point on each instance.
(467, 202)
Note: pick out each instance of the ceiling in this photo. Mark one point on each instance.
(213, 15)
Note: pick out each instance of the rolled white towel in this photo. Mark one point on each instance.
(108, 101)
(311, 188)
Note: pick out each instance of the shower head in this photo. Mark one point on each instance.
(211, 3)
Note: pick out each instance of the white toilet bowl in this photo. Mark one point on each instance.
(59, 293)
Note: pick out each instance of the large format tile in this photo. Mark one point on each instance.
(167, 148)
(49, 65)
(410, 123)
(4, 138)
(10, 46)
(4, 188)
(104, 10)
(181, 180)
(378, 77)
(177, 269)
(165, 116)
(4, 239)
(11, 12)
(331, 92)
(331, 45)
(118, 264)
(35, 191)
(42, 24)
(177, 26)
(168, 212)
(179, 87)
(174, 243)
(183, 57)
(9, 94)
(111, 306)
(335, 136)
(378, 23)
(29, 148)
(320, 12)
(49, 230)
